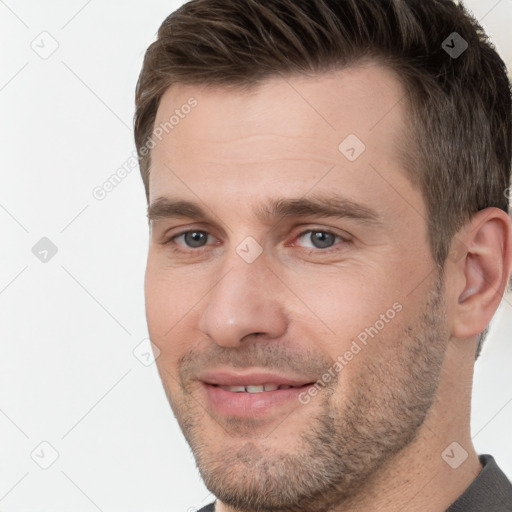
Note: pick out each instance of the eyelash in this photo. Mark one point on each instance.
(310, 250)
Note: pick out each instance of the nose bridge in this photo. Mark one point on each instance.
(243, 301)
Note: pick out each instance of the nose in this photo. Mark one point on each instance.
(245, 301)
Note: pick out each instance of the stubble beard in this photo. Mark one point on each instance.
(343, 446)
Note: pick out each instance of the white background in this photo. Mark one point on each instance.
(68, 327)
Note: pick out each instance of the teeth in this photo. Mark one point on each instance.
(254, 389)
(234, 389)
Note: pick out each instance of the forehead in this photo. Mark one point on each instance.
(287, 130)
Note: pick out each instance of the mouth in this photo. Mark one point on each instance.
(248, 388)
(252, 394)
(253, 401)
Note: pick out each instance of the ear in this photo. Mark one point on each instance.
(482, 257)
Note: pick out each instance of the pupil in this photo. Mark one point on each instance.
(195, 238)
(322, 240)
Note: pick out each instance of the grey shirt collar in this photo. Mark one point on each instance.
(490, 491)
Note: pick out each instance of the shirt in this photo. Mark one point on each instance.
(490, 491)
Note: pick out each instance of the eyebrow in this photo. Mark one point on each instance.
(316, 206)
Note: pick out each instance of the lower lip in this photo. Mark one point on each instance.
(245, 405)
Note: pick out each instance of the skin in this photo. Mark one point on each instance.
(372, 439)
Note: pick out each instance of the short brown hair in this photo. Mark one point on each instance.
(461, 107)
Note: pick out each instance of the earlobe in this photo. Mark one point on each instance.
(484, 271)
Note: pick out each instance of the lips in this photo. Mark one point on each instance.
(252, 380)
(252, 394)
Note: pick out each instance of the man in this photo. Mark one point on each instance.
(327, 195)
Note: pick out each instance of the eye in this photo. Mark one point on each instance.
(192, 239)
(320, 238)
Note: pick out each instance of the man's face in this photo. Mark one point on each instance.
(263, 289)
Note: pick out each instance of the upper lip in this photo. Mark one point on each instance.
(250, 378)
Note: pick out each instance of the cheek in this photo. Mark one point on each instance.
(347, 303)
(169, 302)
(159, 302)
(164, 309)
